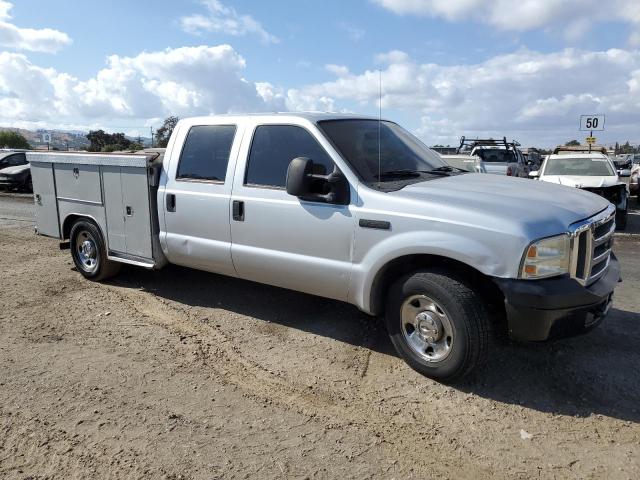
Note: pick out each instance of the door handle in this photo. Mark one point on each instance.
(238, 211)
(171, 202)
(129, 211)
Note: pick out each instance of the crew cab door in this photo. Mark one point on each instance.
(277, 238)
(195, 201)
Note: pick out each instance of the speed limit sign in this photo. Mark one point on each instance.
(591, 122)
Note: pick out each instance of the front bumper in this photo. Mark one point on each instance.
(556, 307)
(11, 182)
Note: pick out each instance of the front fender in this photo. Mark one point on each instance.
(482, 254)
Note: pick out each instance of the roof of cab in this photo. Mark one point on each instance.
(310, 116)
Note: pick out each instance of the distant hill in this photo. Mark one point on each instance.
(60, 139)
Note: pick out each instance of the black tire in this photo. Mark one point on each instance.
(89, 253)
(469, 322)
(621, 219)
(28, 185)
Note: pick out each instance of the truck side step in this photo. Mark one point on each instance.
(131, 260)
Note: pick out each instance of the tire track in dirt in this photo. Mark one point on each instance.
(217, 352)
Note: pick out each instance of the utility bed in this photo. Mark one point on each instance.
(117, 191)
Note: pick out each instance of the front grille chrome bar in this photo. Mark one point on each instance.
(587, 265)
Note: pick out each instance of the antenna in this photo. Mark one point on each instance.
(379, 123)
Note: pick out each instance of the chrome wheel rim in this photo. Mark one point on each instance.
(426, 328)
(87, 251)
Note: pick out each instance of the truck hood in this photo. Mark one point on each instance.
(581, 181)
(15, 170)
(535, 209)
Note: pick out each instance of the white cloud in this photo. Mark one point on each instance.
(394, 56)
(573, 18)
(40, 40)
(337, 70)
(528, 94)
(132, 90)
(223, 19)
(534, 97)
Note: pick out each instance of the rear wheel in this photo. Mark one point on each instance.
(438, 324)
(89, 252)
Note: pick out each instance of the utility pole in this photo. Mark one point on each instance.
(151, 129)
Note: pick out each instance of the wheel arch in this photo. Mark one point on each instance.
(405, 264)
(72, 218)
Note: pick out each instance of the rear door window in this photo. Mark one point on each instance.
(272, 149)
(205, 154)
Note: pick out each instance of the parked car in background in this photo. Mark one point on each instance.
(16, 178)
(532, 157)
(634, 189)
(623, 164)
(593, 172)
(15, 173)
(465, 162)
(10, 158)
(499, 156)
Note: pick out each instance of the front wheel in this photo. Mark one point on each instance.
(28, 185)
(438, 324)
(621, 219)
(89, 252)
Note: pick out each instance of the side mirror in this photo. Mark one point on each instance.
(534, 174)
(306, 185)
(299, 177)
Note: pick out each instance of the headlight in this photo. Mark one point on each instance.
(546, 258)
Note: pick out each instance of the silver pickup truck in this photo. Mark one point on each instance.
(348, 208)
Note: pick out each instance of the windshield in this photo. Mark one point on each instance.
(578, 167)
(495, 155)
(357, 142)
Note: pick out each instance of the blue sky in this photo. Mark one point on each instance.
(449, 68)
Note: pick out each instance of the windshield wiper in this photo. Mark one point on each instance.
(399, 173)
(445, 170)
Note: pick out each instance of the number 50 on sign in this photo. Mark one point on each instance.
(591, 122)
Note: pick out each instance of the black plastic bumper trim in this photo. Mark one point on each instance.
(534, 307)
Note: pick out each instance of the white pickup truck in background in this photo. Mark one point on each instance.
(498, 157)
(349, 208)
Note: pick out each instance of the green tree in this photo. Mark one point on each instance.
(572, 143)
(107, 142)
(626, 148)
(97, 140)
(13, 140)
(164, 132)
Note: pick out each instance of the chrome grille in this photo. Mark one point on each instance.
(592, 240)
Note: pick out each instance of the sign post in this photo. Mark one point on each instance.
(591, 123)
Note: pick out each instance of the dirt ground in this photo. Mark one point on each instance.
(180, 374)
